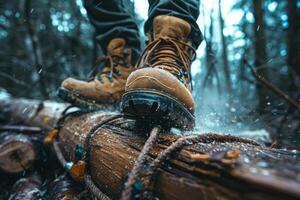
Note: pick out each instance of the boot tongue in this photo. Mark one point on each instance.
(116, 46)
(171, 27)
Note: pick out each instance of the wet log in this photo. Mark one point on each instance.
(62, 188)
(26, 188)
(17, 152)
(224, 169)
(21, 129)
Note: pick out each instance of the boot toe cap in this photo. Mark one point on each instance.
(161, 80)
(70, 84)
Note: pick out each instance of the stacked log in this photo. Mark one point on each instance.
(27, 188)
(62, 188)
(18, 152)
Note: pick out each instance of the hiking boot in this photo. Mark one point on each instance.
(106, 88)
(159, 91)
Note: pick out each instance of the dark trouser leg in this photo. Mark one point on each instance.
(111, 20)
(187, 10)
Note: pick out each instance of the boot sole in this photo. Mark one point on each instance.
(157, 108)
(83, 103)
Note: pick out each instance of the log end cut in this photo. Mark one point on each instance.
(17, 153)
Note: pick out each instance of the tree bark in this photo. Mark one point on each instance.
(260, 49)
(293, 41)
(36, 50)
(201, 171)
(224, 51)
(210, 59)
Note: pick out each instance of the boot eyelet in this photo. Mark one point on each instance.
(126, 53)
(109, 78)
(118, 73)
(100, 79)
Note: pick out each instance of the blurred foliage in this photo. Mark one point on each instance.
(64, 37)
(64, 40)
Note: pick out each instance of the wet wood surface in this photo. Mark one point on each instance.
(26, 188)
(17, 152)
(217, 170)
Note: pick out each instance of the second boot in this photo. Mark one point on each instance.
(106, 88)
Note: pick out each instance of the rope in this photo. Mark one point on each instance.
(187, 141)
(58, 153)
(139, 163)
(91, 134)
(165, 155)
(58, 126)
(87, 178)
(91, 186)
(65, 115)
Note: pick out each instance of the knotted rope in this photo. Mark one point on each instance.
(139, 163)
(91, 186)
(167, 155)
(93, 189)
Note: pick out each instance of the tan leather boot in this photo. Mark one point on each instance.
(107, 87)
(160, 89)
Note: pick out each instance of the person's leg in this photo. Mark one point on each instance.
(187, 10)
(160, 90)
(118, 36)
(111, 20)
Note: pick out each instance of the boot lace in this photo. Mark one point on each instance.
(169, 54)
(110, 70)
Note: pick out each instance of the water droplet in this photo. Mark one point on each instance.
(24, 110)
(246, 160)
(253, 170)
(265, 172)
(262, 164)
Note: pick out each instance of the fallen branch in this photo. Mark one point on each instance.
(21, 129)
(272, 87)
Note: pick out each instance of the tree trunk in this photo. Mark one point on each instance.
(224, 51)
(293, 41)
(217, 168)
(210, 60)
(36, 50)
(260, 49)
